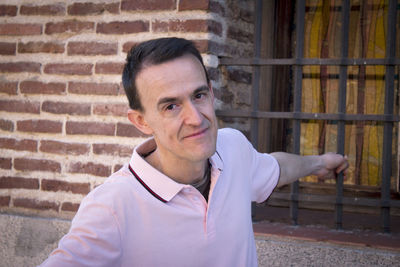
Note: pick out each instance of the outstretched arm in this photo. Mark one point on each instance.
(293, 167)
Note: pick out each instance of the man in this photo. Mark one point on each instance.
(185, 197)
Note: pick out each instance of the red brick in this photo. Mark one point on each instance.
(35, 87)
(68, 206)
(26, 164)
(93, 88)
(84, 9)
(194, 25)
(112, 149)
(9, 87)
(69, 26)
(20, 67)
(92, 48)
(127, 46)
(109, 68)
(40, 126)
(47, 10)
(62, 148)
(23, 145)
(128, 130)
(90, 168)
(111, 109)
(201, 45)
(150, 5)
(16, 29)
(19, 182)
(75, 188)
(193, 5)
(96, 128)
(8, 10)
(123, 27)
(6, 125)
(35, 204)
(5, 201)
(41, 47)
(117, 167)
(69, 69)
(7, 48)
(66, 108)
(20, 106)
(5, 163)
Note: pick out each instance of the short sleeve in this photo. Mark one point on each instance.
(93, 239)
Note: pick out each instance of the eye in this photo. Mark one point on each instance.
(199, 95)
(170, 107)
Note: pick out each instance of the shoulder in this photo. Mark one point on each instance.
(229, 134)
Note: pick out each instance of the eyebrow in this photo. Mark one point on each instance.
(165, 100)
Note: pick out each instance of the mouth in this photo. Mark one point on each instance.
(197, 134)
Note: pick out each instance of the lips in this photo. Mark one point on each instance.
(196, 134)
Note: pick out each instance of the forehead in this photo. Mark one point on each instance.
(170, 78)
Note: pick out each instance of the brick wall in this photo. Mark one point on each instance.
(63, 125)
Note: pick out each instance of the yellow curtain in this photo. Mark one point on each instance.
(365, 84)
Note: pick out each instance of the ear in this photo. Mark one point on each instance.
(136, 117)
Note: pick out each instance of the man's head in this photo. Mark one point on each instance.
(153, 52)
(176, 99)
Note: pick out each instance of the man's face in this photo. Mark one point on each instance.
(178, 109)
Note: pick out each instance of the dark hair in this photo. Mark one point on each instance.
(153, 52)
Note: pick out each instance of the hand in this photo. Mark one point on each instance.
(332, 164)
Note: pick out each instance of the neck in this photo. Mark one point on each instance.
(179, 170)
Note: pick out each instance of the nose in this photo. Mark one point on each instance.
(192, 115)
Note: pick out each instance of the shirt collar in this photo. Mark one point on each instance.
(156, 183)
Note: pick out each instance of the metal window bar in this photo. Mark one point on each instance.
(388, 117)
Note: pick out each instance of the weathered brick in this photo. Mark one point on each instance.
(113, 109)
(193, 5)
(216, 7)
(128, 130)
(123, 27)
(5, 201)
(66, 108)
(109, 68)
(20, 67)
(93, 88)
(201, 45)
(35, 204)
(15, 29)
(14, 144)
(151, 5)
(55, 185)
(40, 126)
(5, 163)
(68, 206)
(8, 48)
(19, 182)
(20, 106)
(63, 148)
(69, 68)
(9, 87)
(240, 35)
(8, 10)
(6, 125)
(127, 46)
(35, 87)
(238, 75)
(41, 47)
(96, 128)
(27, 164)
(193, 25)
(112, 149)
(92, 48)
(84, 9)
(90, 168)
(46, 10)
(69, 26)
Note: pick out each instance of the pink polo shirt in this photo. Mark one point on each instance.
(140, 217)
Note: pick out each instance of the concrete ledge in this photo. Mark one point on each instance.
(27, 241)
